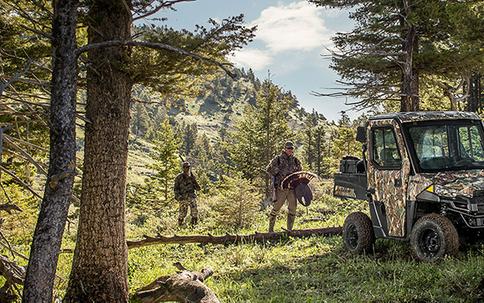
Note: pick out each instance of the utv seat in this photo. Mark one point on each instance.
(361, 167)
(387, 157)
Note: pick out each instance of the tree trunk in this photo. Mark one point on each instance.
(309, 150)
(268, 141)
(319, 154)
(166, 186)
(474, 93)
(409, 87)
(48, 232)
(99, 269)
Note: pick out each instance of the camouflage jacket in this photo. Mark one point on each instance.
(282, 166)
(185, 186)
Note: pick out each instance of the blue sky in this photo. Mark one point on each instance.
(289, 42)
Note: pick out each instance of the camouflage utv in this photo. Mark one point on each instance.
(423, 176)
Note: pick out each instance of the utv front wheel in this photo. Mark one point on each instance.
(432, 237)
(358, 235)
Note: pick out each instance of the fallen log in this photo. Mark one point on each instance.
(235, 239)
(185, 286)
(315, 219)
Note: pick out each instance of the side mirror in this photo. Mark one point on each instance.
(361, 134)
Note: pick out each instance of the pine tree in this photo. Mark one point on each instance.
(189, 137)
(312, 138)
(318, 150)
(345, 142)
(99, 271)
(261, 133)
(140, 124)
(236, 204)
(166, 158)
(47, 239)
(396, 44)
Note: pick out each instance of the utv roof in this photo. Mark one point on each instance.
(425, 116)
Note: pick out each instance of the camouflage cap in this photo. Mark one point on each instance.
(186, 164)
(289, 145)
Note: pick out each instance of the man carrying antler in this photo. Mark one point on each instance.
(280, 167)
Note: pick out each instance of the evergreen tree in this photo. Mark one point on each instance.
(140, 124)
(166, 60)
(320, 133)
(345, 142)
(166, 158)
(311, 123)
(396, 43)
(189, 138)
(235, 204)
(261, 133)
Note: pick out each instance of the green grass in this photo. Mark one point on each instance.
(316, 269)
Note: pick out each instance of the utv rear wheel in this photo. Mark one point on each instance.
(358, 235)
(432, 237)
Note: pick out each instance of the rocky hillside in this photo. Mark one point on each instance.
(219, 103)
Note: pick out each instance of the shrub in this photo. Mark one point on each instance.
(235, 205)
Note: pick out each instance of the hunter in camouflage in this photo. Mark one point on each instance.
(185, 187)
(280, 167)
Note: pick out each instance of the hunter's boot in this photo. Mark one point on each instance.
(194, 221)
(272, 222)
(290, 221)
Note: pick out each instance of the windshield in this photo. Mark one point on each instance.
(447, 145)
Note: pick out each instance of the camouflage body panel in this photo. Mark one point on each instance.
(282, 166)
(383, 181)
(417, 184)
(448, 184)
(185, 187)
(405, 117)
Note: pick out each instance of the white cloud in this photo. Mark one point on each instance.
(298, 26)
(252, 58)
(334, 13)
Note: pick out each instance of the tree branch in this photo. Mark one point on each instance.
(26, 156)
(163, 4)
(158, 46)
(20, 182)
(9, 207)
(15, 77)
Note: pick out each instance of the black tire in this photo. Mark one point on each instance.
(434, 236)
(358, 235)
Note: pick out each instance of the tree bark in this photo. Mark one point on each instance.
(474, 93)
(48, 232)
(409, 87)
(235, 239)
(99, 269)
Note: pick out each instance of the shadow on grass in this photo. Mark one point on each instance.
(389, 275)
